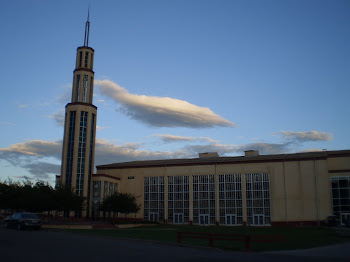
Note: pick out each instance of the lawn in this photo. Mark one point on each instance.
(294, 237)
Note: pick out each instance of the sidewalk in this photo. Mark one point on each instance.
(334, 251)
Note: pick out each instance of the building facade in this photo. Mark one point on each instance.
(258, 190)
(80, 126)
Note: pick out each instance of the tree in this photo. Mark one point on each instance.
(120, 203)
(39, 198)
(65, 199)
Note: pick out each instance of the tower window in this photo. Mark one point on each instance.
(85, 84)
(71, 134)
(77, 87)
(86, 58)
(81, 153)
(80, 58)
(91, 89)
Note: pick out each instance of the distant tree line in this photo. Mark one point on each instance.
(39, 197)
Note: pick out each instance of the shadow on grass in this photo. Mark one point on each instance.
(294, 237)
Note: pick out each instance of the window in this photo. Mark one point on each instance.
(204, 199)
(91, 89)
(178, 199)
(258, 199)
(86, 58)
(71, 132)
(230, 199)
(154, 198)
(77, 87)
(111, 191)
(92, 136)
(341, 198)
(80, 58)
(105, 190)
(85, 85)
(96, 198)
(81, 153)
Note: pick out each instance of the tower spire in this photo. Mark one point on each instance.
(87, 30)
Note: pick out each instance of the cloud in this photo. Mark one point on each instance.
(32, 155)
(42, 170)
(305, 136)
(99, 128)
(8, 124)
(222, 149)
(107, 152)
(58, 117)
(65, 97)
(173, 138)
(28, 155)
(161, 111)
(40, 148)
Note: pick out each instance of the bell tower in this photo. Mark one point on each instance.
(80, 125)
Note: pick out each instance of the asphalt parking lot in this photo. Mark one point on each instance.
(46, 245)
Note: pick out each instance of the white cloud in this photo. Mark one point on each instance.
(99, 128)
(32, 155)
(58, 117)
(222, 149)
(40, 148)
(305, 136)
(161, 111)
(65, 97)
(8, 124)
(173, 138)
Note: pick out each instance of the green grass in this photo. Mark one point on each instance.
(295, 237)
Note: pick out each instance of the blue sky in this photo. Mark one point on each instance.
(175, 78)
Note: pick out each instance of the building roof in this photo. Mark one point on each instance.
(228, 160)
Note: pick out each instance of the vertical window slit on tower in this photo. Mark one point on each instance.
(80, 58)
(86, 58)
(81, 153)
(77, 87)
(70, 148)
(85, 84)
(91, 89)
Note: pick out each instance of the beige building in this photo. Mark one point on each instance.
(297, 189)
(303, 188)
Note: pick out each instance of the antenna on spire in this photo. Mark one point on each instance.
(87, 29)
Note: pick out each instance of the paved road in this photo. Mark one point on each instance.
(47, 245)
(341, 251)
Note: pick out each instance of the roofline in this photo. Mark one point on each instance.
(104, 175)
(81, 104)
(318, 155)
